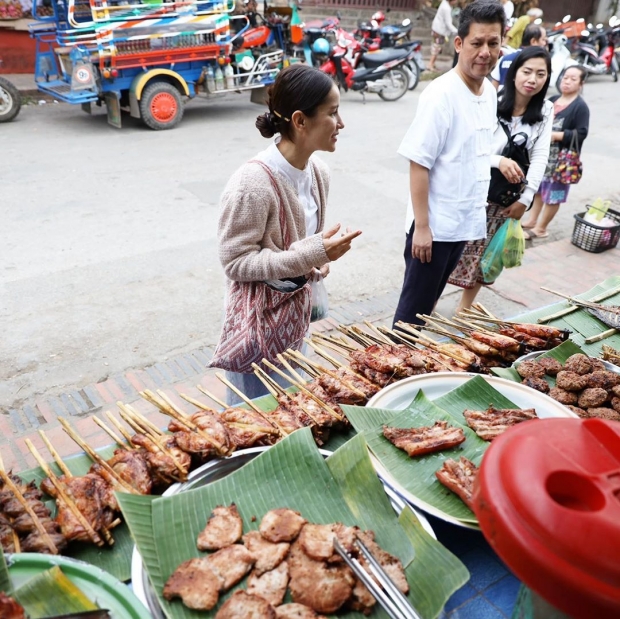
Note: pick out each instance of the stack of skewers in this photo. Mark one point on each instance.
(148, 459)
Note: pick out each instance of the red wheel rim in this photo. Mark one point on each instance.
(164, 107)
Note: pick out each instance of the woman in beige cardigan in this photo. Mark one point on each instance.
(281, 196)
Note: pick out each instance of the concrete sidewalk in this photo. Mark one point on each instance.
(555, 264)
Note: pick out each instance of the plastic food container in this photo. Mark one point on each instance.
(548, 502)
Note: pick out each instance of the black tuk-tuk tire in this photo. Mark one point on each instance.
(15, 100)
(158, 117)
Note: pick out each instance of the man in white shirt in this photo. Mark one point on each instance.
(441, 29)
(449, 147)
(509, 8)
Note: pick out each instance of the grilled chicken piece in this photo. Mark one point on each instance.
(489, 424)
(424, 440)
(211, 424)
(378, 378)
(192, 443)
(248, 428)
(322, 587)
(289, 420)
(530, 341)
(195, 583)
(391, 359)
(35, 543)
(498, 341)
(267, 554)
(10, 608)
(230, 564)
(223, 528)
(459, 477)
(341, 390)
(309, 413)
(544, 332)
(132, 467)
(296, 611)
(281, 525)
(271, 586)
(391, 564)
(7, 539)
(92, 497)
(163, 469)
(241, 605)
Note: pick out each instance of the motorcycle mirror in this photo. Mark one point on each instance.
(558, 24)
(590, 26)
(566, 19)
(538, 21)
(406, 22)
(581, 19)
(600, 26)
(374, 23)
(585, 33)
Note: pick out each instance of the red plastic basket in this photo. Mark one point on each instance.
(594, 238)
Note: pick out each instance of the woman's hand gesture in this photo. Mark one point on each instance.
(338, 246)
(515, 210)
(511, 170)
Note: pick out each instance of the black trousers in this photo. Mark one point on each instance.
(424, 282)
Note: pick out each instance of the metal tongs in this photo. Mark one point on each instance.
(385, 591)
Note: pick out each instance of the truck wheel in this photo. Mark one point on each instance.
(10, 101)
(161, 106)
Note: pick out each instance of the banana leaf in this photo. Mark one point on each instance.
(417, 475)
(560, 353)
(51, 593)
(5, 580)
(293, 474)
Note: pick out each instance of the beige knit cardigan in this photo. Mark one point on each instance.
(251, 245)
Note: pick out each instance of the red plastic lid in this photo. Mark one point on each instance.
(548, 501)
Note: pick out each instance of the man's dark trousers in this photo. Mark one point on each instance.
(424, 282)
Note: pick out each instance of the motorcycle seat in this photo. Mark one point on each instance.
(375, 59)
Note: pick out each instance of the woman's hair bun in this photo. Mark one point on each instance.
(266, 124)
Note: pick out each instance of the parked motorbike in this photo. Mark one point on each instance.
(10, 101)
(596, 52)
(383, 73)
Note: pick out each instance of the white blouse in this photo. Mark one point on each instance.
(300, 180)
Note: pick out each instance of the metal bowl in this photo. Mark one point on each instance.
(537, 353)
(213, 471)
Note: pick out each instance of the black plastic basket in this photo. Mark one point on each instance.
(595, 238)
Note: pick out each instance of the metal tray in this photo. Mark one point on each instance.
(213, 471)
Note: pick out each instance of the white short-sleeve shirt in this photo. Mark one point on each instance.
(451, 135)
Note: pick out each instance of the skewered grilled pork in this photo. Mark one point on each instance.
(391, 359)
(424, 440)
(223, 528)
(248, 428)
(381, 379)
(165, 469)
(132, 467)
(459, 477)
(212, 424)
(492, 422)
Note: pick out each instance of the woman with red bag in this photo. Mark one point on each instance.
(270, 231)
(570, 129)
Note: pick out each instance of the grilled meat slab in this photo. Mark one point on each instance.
(489, 424)
(271, 586)
(242, 605)
(223, 528)
(267, 554)
(230, 564)
(424, 440)
(195, 583)
(459, 477)
(296, 611)
(281, 525)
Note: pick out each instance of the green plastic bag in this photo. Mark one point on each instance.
(492, 262)
(514, 245)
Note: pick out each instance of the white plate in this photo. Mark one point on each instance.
(399, 395)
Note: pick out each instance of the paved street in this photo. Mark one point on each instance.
(108, 244)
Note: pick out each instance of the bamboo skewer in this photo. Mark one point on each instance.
(298, 359)
(335, 341)
(115, 437)
(290, 369)
(33, 516)
(59, 461)
(197, 403)
(380, 339)
(436, 347)
(119, 426)
(62, 495)
(482, 309)
(274, 389)
(143, 420)
(212, 397)
(601, 336)
(356, 337)
(319, 351)
(378, 331)
(301, 387)
(336, 347)
(119, 481)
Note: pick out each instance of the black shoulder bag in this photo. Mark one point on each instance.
(501, 191)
